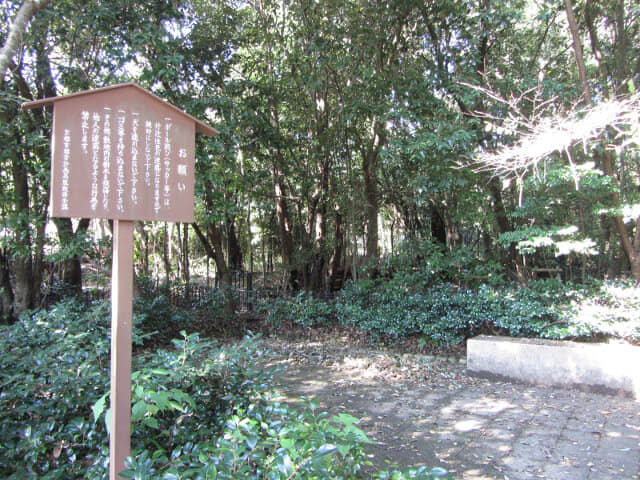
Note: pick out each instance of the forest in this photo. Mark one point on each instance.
(499, 135)
(403, 171)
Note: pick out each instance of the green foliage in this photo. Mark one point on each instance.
(420, 264)
(419, 473)
(598, 311)
(271, 442)
(445, 314)
(198, 411)
(53, 368)
(303, 309)
(157, 318)
(54, 374)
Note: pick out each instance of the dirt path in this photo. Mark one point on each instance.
(423, 409)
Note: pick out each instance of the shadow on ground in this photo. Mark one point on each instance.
(428, 410)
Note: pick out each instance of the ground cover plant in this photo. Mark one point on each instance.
(444, 299)
(446, 314)
(199, 410)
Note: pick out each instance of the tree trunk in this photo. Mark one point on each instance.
(186, 273)
(578, 51)
(512, 263)
(212, 244)
(370, 174)
(24, 292)
(71, 268)
(16, 31)
(285, 229)
(166, 253)
(438, 230)
(234, 251)
(144, 236)
(6, 291)
(630, 246)
(335, 272)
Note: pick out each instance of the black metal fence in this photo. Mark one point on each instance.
(184, 295)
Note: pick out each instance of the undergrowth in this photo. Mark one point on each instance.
(447, 314)
(199, 410)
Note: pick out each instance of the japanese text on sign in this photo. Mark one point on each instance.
(123, 162)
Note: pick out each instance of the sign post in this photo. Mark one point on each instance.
(121, 323)
(121, 153)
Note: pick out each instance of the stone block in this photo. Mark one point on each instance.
(607, 368)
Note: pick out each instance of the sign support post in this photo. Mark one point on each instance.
(124, 154)
(121, 325)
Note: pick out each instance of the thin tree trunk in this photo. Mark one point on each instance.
(166, 253)
(144, 236)
(186, 274)
(336, 268)
(370, 174)
(504, 226)
(71, 267)
(6, 291)
(285, 229)
(578, 51)
(631, 247)
(234, 251)
(438, 228)
(212, 244)
(24, 296)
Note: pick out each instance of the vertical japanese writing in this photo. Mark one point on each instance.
(84, 133)
(135, 121)
(182, 170)
(167, 163)
(66, 156)
(95, 159)
(106, 158)
(148, 130)
(157, 165)
(121, 119)
(122, 160)
(84, 137)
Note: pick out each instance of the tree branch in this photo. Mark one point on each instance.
(14, 39)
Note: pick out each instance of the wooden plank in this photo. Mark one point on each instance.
(121, 324)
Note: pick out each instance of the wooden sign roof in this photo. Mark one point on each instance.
(201, 127)
(122, 153)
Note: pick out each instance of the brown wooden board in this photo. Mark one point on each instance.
(122, 153)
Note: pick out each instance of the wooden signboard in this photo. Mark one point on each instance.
(121, 153)
(125, 154)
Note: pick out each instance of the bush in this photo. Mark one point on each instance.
(445, 314)
(54, 373)
(54, 366)
(424, 263)
(273, 441)
(303, 309)
(198, 410)
(158, 320)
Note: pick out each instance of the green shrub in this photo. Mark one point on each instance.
(445, 314)
(198, 410)
(275, 442)
(424, 263)
(272, 442)
(419, 473)
(303, 308)
(600, 310)
(53, 367)
(54, 373)
(159, 320)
